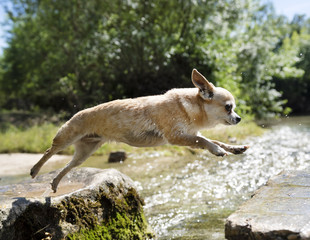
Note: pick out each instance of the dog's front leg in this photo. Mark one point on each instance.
(197, 142)
(231, 148)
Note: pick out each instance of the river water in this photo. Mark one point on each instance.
(189, 197)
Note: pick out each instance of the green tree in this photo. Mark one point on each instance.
(296, 89)
(263, 55)
(73, 54)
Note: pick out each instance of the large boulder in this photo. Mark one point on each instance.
(89, 204)
(278, 210)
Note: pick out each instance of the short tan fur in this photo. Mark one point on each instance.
(174, 117)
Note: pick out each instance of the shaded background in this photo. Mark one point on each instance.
(63, 56)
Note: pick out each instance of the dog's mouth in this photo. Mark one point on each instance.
(232, 122)
(228, 123)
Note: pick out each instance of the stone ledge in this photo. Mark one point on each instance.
(90, 202)
(278, 210)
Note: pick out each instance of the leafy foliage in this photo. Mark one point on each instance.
(67, 55)
(296, 89)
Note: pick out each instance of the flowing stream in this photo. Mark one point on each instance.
(189, 197)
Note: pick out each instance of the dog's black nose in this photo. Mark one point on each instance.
(238, 119)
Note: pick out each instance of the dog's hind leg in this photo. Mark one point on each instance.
(63, 139)
(47, 155)
(83, 149)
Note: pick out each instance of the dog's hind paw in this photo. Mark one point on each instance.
(54, 185)
(33, 172)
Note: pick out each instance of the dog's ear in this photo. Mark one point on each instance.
(205, 87)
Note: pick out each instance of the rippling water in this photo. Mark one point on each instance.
(192, 201)
(189, 197)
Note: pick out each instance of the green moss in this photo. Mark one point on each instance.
(121, 227)
(109, 215)
(79, 211)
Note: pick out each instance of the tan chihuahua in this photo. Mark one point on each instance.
(174, 117)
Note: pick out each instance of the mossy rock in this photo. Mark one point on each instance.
(103, 205)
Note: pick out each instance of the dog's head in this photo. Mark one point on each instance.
(219, 103)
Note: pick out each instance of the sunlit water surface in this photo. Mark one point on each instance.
(189, 197)
(192, 201)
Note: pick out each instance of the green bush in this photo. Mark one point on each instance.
(67, 55)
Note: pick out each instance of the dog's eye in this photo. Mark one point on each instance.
(228, 107)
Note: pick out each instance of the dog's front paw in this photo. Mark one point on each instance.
(218, 151)
(239, 149)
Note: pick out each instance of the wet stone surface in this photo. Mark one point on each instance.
(90, 204)
(278, 210)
